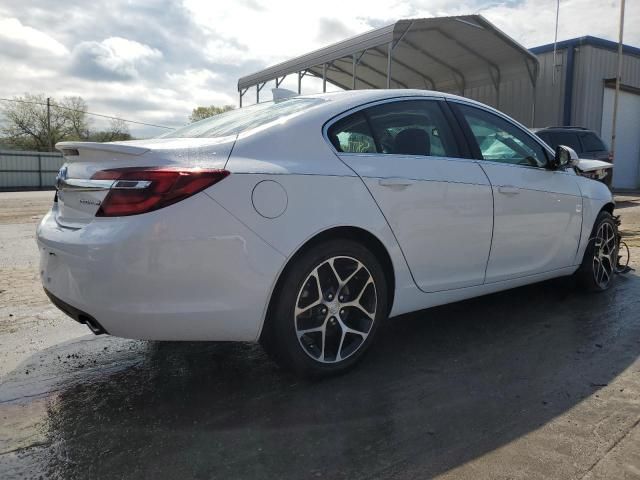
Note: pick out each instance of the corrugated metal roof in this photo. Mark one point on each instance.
(446, 54)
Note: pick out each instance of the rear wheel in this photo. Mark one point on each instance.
(327, 310)
(601, 256)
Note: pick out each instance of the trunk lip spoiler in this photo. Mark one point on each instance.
(103, 147)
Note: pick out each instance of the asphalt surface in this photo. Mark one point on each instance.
(538, 382)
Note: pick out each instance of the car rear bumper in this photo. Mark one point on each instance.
(78, 315)
(190, 271)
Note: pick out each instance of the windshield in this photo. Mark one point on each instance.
(241, 119)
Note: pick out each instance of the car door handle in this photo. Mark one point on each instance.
(509, 190)
(395, 182)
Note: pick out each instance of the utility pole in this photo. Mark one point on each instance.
(618, 80)
(49, 124)
(555, 43)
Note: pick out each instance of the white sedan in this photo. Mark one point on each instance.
(305, 223)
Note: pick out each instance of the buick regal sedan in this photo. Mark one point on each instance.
(306, 223)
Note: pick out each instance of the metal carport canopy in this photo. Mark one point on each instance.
(449, 54)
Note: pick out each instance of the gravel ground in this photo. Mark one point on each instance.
(538, 382)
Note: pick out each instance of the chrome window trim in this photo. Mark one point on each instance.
(400, 155)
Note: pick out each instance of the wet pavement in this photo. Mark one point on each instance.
(537, 382)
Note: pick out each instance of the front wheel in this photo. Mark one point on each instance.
(601, 256)
(327, 310)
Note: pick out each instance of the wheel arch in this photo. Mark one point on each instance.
(358, 234)
(607, 207)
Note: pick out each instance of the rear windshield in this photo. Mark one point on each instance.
(241, 119)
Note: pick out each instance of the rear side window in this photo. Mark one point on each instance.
(591, 142)
(410, 127)
(352, 135)
(413, 127)
(567, 139)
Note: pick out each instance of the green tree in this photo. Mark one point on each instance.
(200, 113)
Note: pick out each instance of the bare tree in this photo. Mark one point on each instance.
(74, 110)
(26, 125)
(117, 131)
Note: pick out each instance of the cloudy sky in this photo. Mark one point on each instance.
(153, 61)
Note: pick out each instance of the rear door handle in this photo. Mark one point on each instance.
(509, 190)
(395, 182)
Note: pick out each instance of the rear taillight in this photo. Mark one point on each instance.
(610, 157)
(144, 189)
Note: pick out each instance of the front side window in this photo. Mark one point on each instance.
(501, 141)
(412, 127)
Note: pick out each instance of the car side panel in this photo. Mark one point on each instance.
(595, 195)
(314, 204)
(441, 214)
(537, 220)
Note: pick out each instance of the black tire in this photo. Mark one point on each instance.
(587, 275)
(280, 337)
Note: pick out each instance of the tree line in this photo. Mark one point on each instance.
(35, 122)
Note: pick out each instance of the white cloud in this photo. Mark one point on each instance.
(117, 56)
(12, 30)
(220, 51)
(155, 62)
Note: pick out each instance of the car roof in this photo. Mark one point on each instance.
(358, 97)
(563, 129)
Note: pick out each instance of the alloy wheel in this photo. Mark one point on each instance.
(604, 256)
(335, 309)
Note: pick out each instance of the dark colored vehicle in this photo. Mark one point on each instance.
(586, 143)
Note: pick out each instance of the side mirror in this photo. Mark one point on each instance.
(565, 157)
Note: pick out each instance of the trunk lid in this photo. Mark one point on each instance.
(79, 197)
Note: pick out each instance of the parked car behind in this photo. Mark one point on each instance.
(586, 143)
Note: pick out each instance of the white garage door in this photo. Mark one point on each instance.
(626, 172)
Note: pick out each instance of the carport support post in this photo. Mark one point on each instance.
(389, 54)
(324, 78)
(353, 71)
(299, 83)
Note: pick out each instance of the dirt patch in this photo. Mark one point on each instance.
(24, 207)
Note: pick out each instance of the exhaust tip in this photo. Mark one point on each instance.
(77, 314)
(93, 325)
